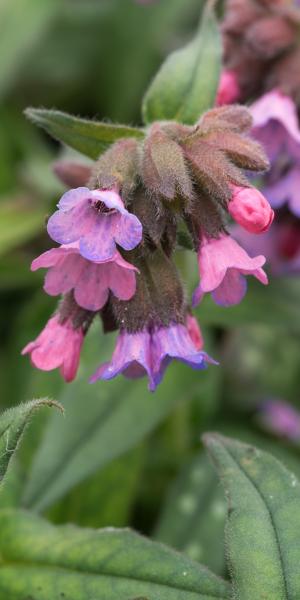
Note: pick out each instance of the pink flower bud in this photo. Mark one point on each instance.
(194, 332)
(250, 209)
(229, 89)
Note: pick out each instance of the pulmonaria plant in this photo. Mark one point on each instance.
(118, 235)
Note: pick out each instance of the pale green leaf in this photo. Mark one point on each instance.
(186, 84)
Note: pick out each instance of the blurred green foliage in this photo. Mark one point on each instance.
(119, 451)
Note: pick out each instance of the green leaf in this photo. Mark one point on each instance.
(12, 425)
(85, 136)
(186, 84)
(262, 531)
(193, 516)
(21, 27)
(118, 414)
(38, 560)
(18, 224)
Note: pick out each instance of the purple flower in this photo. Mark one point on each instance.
(222, 266)
(97, 219)
(91, 281)
(149, 353)
(276, 126)
(58, 345)
(280, 418)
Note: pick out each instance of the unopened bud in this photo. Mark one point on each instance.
(229, 89)
(250, 209)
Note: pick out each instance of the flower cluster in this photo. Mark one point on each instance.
(118, 232)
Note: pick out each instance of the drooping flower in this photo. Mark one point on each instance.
(98, 220)
(229, 89)
(223, 265)
(57, 346)
(249, 208)
(90, 281)
(150, 352)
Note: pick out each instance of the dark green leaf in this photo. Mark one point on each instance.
(262, 532)
(12, 425)
(41, 561)
(187, 82)
(86, 136)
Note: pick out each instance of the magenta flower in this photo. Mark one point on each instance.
(98, 220)
(249, 208)
(91, 281)
(149, 353)
(222, 266)
(280, 418)
(58, 345)
(229, 89)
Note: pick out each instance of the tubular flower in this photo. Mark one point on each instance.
(222, 267)
(280, 418)
(150, 352)
(90, 281)
(57, 346)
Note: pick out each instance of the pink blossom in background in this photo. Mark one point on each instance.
(280, 418)
(229, 90)
(276, 126)
(280, 245)
(98, 220)
(91, 281)
(57, 346)
(223, 265)
(250, 209)
(149, 353)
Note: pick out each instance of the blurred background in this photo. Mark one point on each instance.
(122, 456)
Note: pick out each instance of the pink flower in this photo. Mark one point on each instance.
(250, 209)
(58, 345)
(194, 332)
(149, 353)
(222, 266)
(91, 281)
(98, 220)
(229, 89)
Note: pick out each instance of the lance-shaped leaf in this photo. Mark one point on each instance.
(262, 531)
(187, 82)
(88, 137)
(41, 561)
(12, 425)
